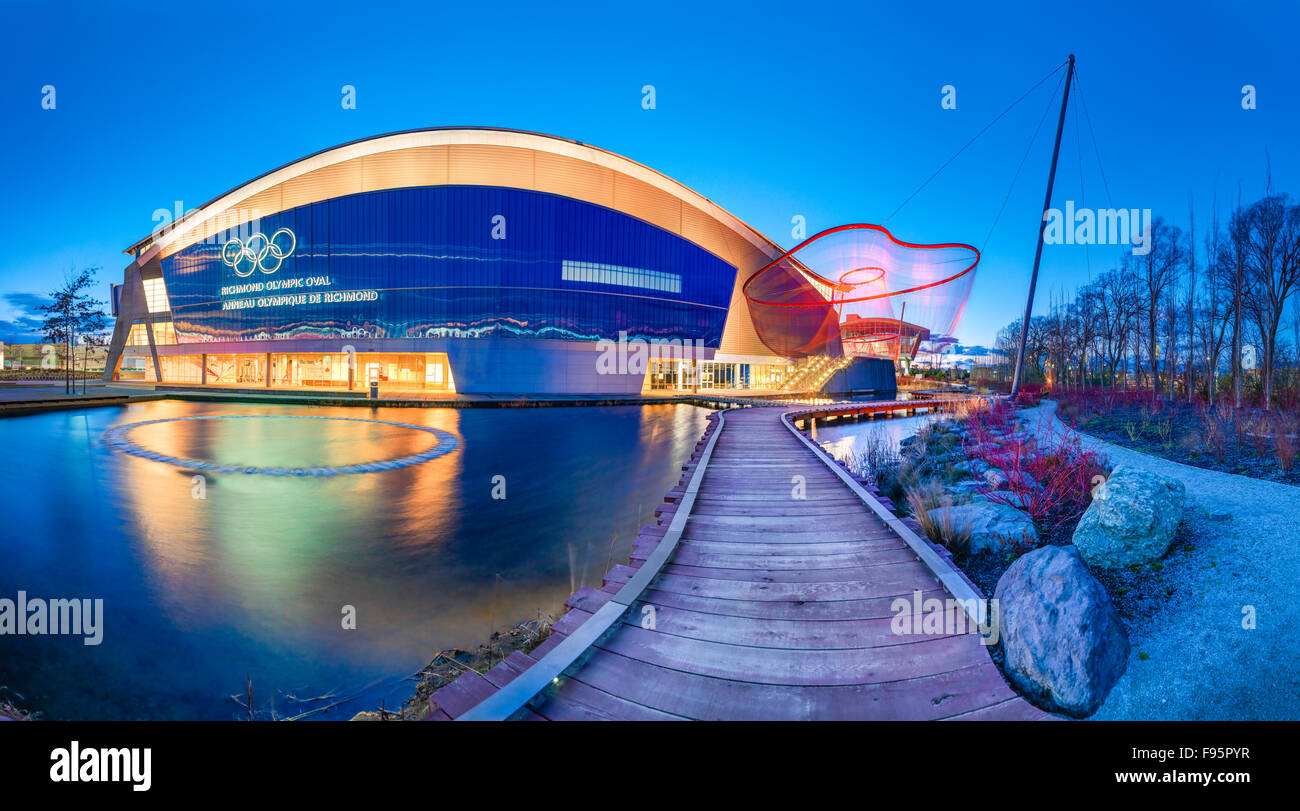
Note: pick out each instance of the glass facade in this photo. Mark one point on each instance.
(673, 374)
(394, 371)
(447, 262)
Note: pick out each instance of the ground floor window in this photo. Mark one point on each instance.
(405, 372)
(181, 368)
(668, 374)
(398, 372)
(768, 376)
(310, 371)
(136, 367)
(234, 370)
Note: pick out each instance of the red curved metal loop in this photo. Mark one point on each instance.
(856, 290)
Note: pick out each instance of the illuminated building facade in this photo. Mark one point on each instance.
(469, 260)
(494, 261)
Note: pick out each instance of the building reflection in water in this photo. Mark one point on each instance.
(254, 577)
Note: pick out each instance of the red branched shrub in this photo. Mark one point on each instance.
(1049, 474)
(1031, 394)
(1286, 443)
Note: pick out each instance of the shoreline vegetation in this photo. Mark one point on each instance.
(11, 712)
(448, 664)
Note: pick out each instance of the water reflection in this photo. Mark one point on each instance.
(253, 577)
(848, 441)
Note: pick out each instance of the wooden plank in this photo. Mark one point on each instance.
(780, 549)
(1013, 709)
(588, 599)
(725, 560)
(806, 634)
(775, 509)
(902, 583)
(572, 700)
(706, 698)
(508, 668)
(908, 571)
(548, 643)
(698, 533)
(462, 694)
(797, 667)
(871, 608)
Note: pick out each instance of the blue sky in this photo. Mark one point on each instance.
(830, 111)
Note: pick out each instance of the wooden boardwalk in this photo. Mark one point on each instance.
(769, 607)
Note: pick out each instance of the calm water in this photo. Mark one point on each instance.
(847, 442)
(253, 578)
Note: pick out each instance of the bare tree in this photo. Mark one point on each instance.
(1156, 273)
(1272, 251)
(1238, 229)
(72, 313)
(1191, 297)
(1216, 308)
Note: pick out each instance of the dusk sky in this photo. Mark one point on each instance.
(832, 112)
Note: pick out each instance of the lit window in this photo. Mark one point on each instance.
(599, 273)
(155, 296)
(164, 332)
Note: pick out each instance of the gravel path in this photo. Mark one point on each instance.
(1202, 664)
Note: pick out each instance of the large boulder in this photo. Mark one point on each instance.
(993, 527)
(1065, 646)
(1131, 520)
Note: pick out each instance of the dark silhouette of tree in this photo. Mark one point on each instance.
(72, 313)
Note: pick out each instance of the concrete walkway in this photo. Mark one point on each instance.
(1203, 665)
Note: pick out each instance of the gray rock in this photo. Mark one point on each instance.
(995, 477)
(967, 487)
(984, 449)
(974, 467)
(993, 527)
(1131, 520)
(1065, 645)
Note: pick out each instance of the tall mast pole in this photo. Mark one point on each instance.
(1042, 226)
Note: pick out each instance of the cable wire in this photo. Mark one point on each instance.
(1006, 199)
(973, 140)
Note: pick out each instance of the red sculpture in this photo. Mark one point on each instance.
(856, 290)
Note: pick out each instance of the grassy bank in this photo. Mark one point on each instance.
(447, 665)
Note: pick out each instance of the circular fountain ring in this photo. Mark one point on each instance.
(116, 438)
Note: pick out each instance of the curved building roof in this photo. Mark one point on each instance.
(485, 156)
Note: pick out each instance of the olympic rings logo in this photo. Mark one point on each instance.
(259, 253)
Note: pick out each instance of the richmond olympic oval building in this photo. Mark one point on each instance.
(467, 260)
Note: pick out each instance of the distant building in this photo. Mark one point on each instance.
(955, 356)
(51, 356)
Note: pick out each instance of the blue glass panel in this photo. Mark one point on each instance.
(426, 262)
